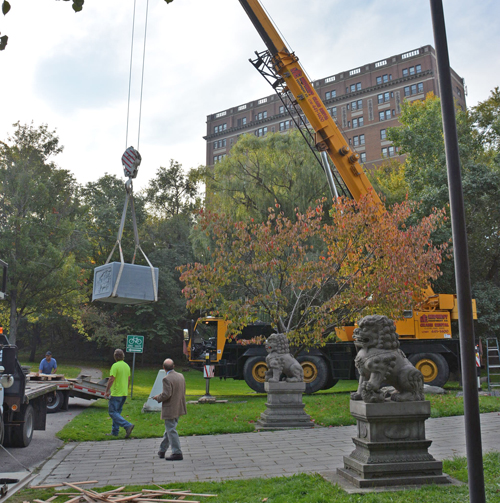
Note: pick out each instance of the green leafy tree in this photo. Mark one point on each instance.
(259, 172)
(420, 138)
(39, 235)
(308, 276)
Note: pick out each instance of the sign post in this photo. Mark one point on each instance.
(208, 373)
(135, 344)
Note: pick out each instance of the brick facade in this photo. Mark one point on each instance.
(364, 102)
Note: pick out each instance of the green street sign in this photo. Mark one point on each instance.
(135, 343)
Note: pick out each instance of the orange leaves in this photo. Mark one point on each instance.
(310, 276)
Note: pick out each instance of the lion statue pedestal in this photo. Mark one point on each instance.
(391, 448)
(284, 407)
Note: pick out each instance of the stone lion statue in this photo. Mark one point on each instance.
(280, 361)
(380, 362)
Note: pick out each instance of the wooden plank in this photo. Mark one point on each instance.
(61, 484)
(74, 500)
(127, 498)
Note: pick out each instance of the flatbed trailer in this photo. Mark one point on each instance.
(65, 388)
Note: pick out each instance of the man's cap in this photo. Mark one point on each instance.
(48, 353)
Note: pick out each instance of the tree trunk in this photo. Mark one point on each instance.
(14, 322)
(35, 338)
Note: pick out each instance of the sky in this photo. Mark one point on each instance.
(71, 70)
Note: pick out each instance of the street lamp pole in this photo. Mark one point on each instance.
(461, 258)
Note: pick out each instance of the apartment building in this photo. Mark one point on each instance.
(364, 102)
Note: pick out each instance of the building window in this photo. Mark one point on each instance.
(357, 105)
(330, 94)
(379, 80)
(284, 125)
(383, 134)
(361, 121)
(387, 97)
(215, 144)
(260, 116)
(384, 115)
(282, 109)
(407, 91)
(405, 72)
(361, 139)
(333, 112)
(244, 120)
(384, 152)
(362, 157)
(386, 78)
(261, 131)
(412, 70)
(358, 86)
(355, 141)
(353, 88)
(420, 87)
(380, 98)
(414, 89)
(218, 158)
(354, 123)
(391, 151)
(220, 128)
(458, 92)
(418, 68)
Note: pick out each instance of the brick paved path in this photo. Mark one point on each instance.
(244, 455)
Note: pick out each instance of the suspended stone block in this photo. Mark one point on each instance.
(134, 287)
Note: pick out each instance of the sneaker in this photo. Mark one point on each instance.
(111, 435)
(128, 430)
(174, 457)
(161, 455)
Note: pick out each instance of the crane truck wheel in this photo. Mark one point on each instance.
(433, 366)
(21, 436)
(254, 373)
(55, 401)
(315, 372)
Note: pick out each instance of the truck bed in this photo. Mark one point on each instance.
(36, 389)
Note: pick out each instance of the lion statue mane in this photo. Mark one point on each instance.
(380, 362)
(280, 361)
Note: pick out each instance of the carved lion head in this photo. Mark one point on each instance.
(376, 331)
(277, 343)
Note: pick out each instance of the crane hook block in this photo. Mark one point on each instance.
(131, 160)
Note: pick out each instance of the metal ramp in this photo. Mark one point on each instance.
(493, 362)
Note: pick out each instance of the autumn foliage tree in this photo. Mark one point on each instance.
(309, 277)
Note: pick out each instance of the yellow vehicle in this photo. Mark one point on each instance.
(425, 330)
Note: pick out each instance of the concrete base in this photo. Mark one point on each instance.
(391, 448)
(284, 407)
(207, 399)
(335, 478)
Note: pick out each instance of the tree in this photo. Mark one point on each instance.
(309, 277)
(420, 138)
(171, 192)
(39, 234)
(259, 172)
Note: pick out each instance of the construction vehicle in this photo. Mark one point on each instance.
(23, 405)
(425, 329)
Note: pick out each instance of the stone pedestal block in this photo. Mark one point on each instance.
(284, 407)
(391, 448)
(135, 284)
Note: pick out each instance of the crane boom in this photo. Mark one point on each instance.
(327, 137)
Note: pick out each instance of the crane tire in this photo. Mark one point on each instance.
(315, 372)
(433, 366)
(21, 436)
(55, 401)
(254, 373)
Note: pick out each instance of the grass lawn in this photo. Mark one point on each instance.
(239, 415)
(314, 489)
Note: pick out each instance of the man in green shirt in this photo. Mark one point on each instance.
(117, 391)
